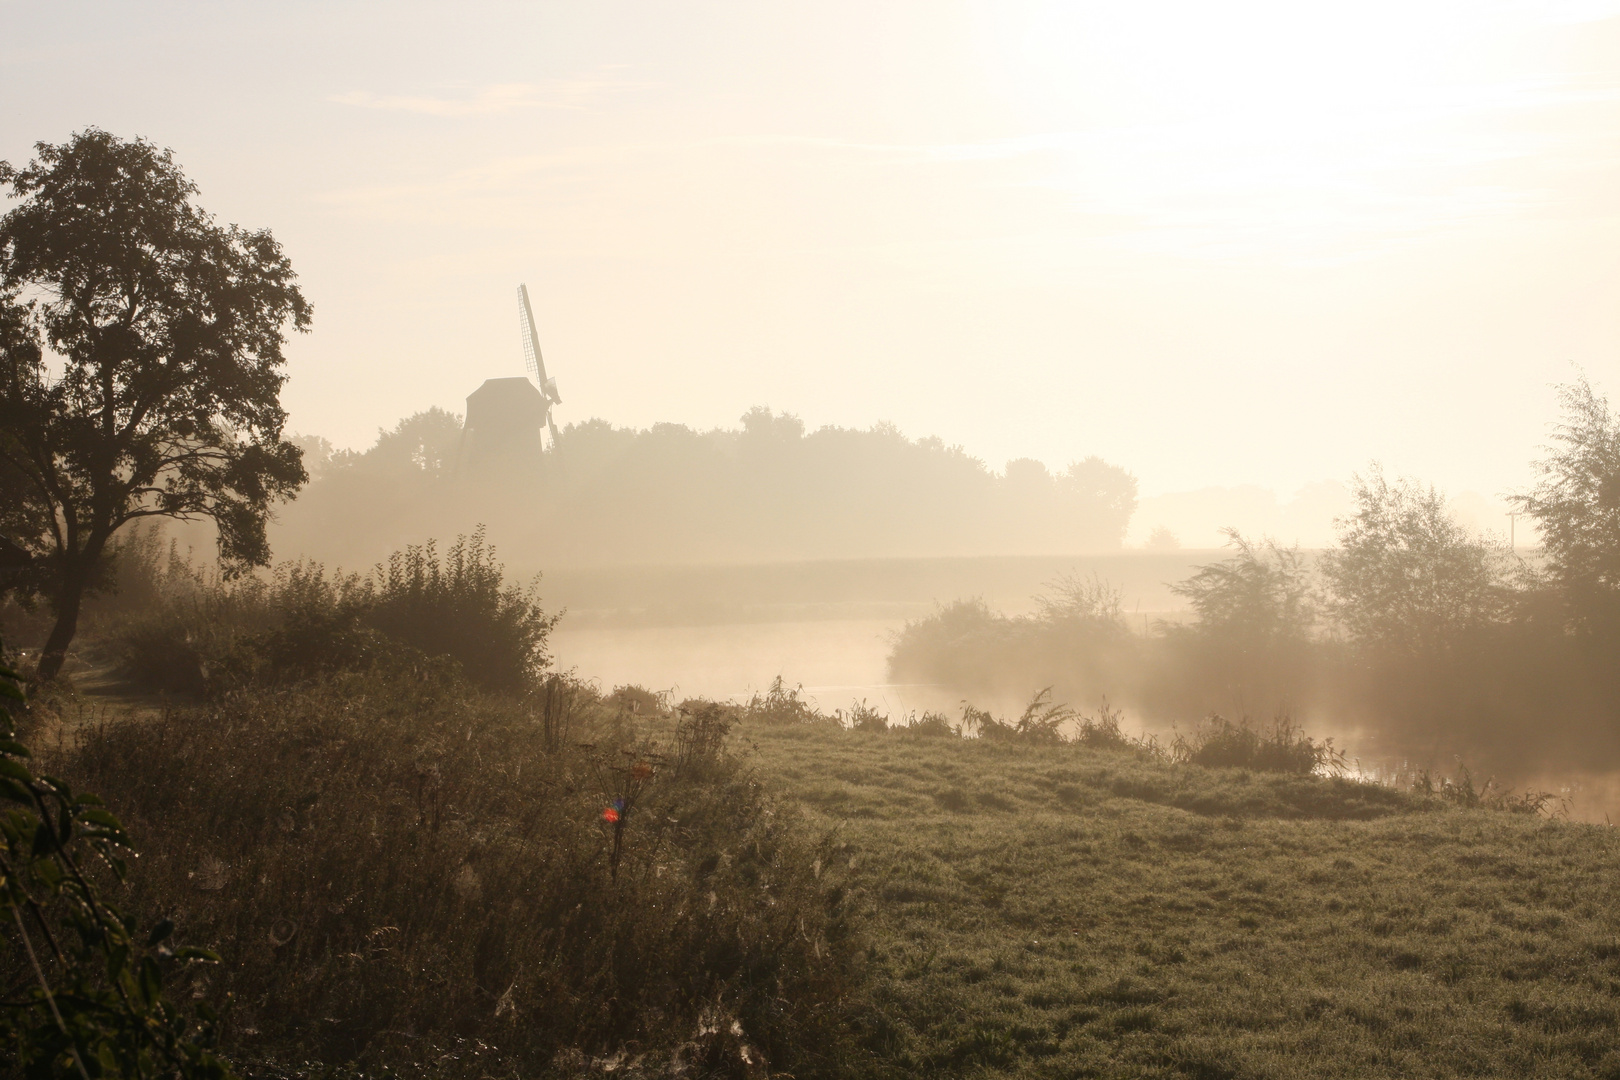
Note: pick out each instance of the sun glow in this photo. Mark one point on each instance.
(1270, 127)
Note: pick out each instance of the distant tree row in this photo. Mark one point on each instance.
(768, 489)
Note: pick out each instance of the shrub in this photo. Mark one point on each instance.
(1406, 576)
(862, 717)
(1460, 790)
(300, 622)
(461, 607)
(1103, 732)
(780, 705)
(1041, 722)
(930, 725)
(1283, 748)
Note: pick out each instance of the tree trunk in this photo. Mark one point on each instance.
(67, 624)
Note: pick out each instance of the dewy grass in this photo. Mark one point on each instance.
(1043, 911)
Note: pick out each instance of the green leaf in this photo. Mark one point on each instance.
(14, 771)
(14, 748)
(160, 932)
(44, 838)
(100, 817)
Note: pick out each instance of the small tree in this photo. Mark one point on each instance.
(1406, 576)
(1261, 595)
(1577, 503)
(163, 397)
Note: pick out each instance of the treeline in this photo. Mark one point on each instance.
(1421, 638)
(766, 490)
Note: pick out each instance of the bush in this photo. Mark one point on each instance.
(301, 623)
(461, 607)
(1102, 732)
(930, 725)
(1284, 748)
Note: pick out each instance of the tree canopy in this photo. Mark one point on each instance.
(767, 489)
(1406, 576)
(140, 364)
(1576, 501)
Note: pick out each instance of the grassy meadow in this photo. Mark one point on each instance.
(1050, 911)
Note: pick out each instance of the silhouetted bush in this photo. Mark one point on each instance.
(461, 607)
(299, 622)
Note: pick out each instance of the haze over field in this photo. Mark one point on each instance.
(1013, 539)
(1258, 244)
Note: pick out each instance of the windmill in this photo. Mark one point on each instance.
(536, 363)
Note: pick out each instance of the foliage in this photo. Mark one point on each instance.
(404, 876)
(1460, 790)
(764, 489)
(1405, 576)
(460, 606)
(1261, 594)
(1041, 722)
(300, 622)
(1576, 502)
(1084, 605)
(1103, 731)
(863, 717)
(170, 327)
(1283, 748)
(95, 1003)
(782, 705)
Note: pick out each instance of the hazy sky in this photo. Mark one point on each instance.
(1218, 244)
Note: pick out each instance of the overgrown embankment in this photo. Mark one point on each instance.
(403, 872)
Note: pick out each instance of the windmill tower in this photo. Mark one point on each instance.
(535, 362)
(505, 417)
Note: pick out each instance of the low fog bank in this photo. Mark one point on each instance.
(888, 590)
(1197, 519)
(766, 491)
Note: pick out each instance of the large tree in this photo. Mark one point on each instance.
(1576, 501)
(140, 365)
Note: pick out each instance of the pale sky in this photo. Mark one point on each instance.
(1218, 244)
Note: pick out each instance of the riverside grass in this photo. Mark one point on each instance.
(1053, 911)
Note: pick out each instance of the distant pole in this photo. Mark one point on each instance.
(1513, 520)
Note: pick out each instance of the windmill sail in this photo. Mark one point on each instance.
(532, 357)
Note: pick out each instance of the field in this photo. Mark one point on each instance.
(1059, 911)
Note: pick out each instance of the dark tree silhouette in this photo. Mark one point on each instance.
(140, 365)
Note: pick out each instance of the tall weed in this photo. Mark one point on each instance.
(400, 872)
